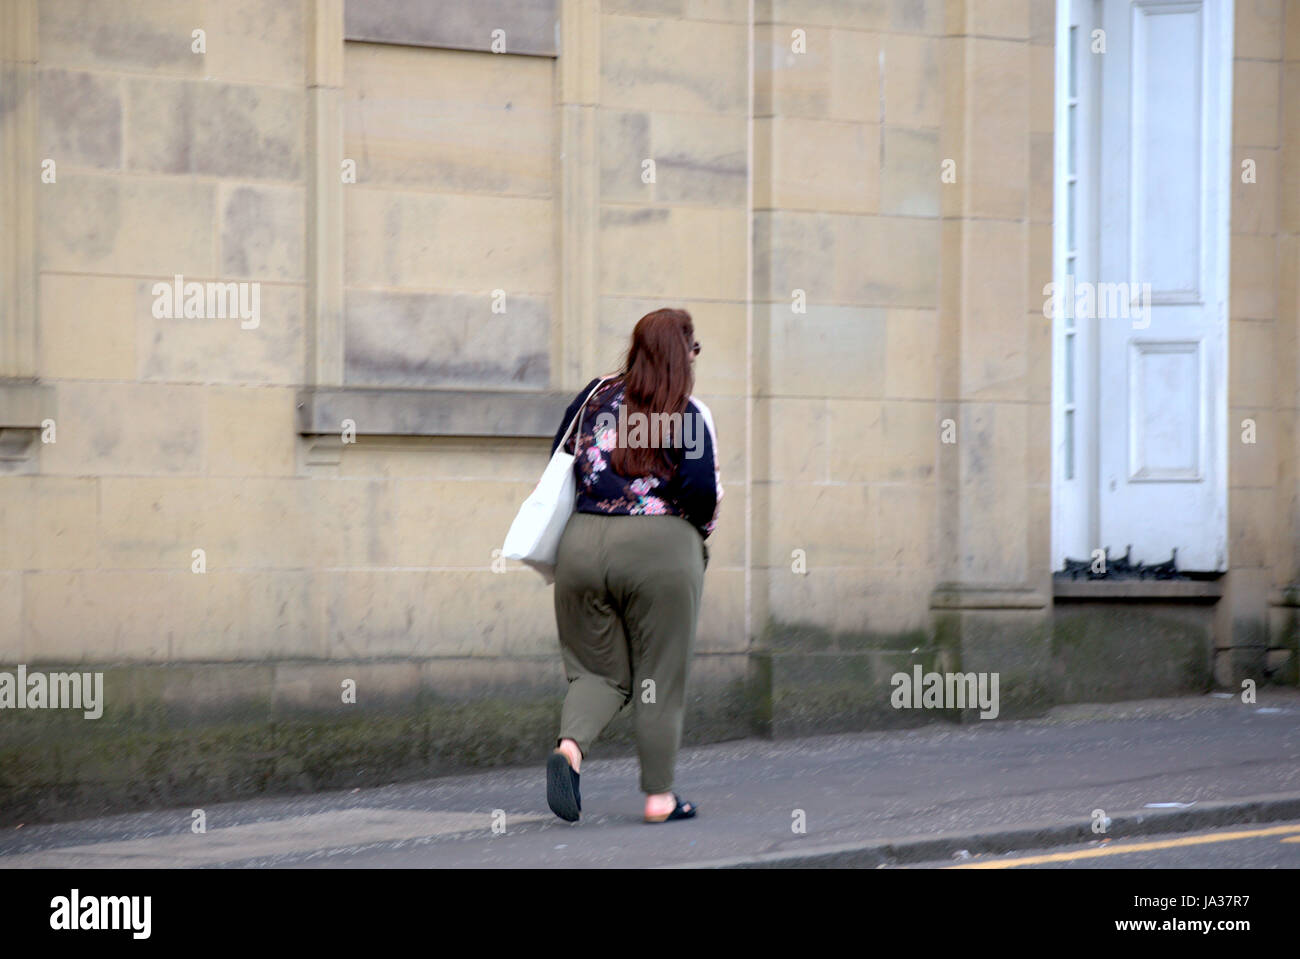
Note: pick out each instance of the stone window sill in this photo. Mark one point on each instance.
(24, 406)
(407, 412)
(25, 403)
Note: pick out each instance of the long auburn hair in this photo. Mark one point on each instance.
(657, 378)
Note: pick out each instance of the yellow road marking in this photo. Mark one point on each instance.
(1136, 847)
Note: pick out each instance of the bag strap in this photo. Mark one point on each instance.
(578, 417)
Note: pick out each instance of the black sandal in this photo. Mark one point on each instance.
(683, 810)
(562, 793)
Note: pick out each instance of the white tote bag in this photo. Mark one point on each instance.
(534, 537)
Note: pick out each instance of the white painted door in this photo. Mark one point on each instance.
(1160, 297)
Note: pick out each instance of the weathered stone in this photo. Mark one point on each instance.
(81, 119)
(529, 25)
(430, 339)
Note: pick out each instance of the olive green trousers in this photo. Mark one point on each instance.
(627, 598)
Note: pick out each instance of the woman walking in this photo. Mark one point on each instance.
(630, 567)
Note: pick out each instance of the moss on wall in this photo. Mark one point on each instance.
(56, 765)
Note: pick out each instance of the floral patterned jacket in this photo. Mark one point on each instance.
(695, 489)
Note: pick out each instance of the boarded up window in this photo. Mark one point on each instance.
(453, 200)
(522, 26)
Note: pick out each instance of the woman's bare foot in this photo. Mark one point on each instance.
(659, 804)
(572, 753)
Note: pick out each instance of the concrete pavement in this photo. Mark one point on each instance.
(863, 799)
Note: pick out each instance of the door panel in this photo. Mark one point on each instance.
(1168, 140)
(1166, 421)
(1161, 281)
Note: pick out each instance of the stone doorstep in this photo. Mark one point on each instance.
(1138, 590)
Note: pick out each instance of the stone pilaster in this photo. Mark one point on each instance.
(325, 236)
(574, 333)
(991, 606)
